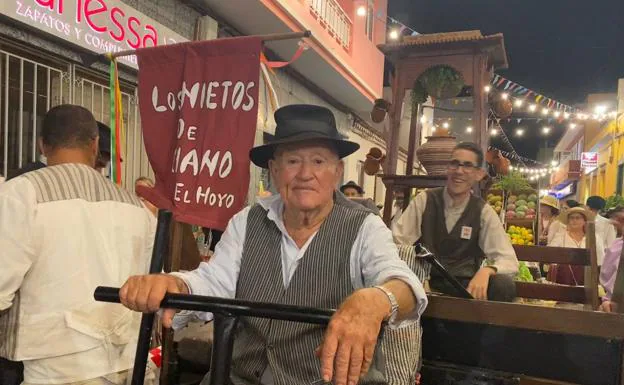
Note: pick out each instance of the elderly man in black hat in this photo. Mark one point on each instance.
(306, 246)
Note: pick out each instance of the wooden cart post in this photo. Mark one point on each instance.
(470, 53)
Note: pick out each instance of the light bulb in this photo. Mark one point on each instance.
(361, 11)
(504, 96)
(445, 125)
(572, 126)
(557, 114)
(553, 163)
(599, 110)
(519, 132)
(566, 115)
(493, 132)
(518, 103)
(532, 107)
(487, 88)
(394, 34)
(546, 130)
(469, 129)
(545, 111)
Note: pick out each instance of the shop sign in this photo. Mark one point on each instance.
(589, 161)
(97, 25)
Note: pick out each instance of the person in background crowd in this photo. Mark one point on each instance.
(574, 236)
(604, 227)
(64, 230)
(569, 204)
(285, 248)
(609, 270)
(145, 182)
(101, 162)
(352, 190)
(549, 224)
(462, 231)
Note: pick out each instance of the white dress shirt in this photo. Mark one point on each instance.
(606, 231)
(493, 240)
(563, 239)
(374, 260)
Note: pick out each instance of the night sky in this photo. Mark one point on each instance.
(563, 49)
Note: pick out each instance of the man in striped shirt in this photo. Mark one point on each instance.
(64, 230)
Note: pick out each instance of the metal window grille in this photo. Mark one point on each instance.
(29, 88)
(334, 19)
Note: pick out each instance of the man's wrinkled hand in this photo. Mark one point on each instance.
(144, 293)
(349, 342)
(478, 286)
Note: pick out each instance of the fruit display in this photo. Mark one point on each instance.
(521, 206)
(520, 235)
(496, 201)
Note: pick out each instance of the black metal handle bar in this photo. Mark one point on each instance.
(422, 252)
(234, 307)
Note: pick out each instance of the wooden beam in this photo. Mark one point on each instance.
(546, 319)
(591, 271)
(552, 292)
(559, 255)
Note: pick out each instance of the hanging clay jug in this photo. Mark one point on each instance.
(503, 108)
(436, 153)
(373, 161)
(380, 109)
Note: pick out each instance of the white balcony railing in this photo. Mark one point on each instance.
(334, 19)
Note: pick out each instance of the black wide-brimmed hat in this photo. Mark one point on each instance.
(300, 123)
(352, 184)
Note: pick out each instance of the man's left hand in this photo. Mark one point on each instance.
(478, 286)
(349, 342)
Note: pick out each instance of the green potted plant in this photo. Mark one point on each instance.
(442, 81)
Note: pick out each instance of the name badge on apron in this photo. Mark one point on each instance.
(466, 232)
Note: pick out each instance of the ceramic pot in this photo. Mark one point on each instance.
(380, 109)
(371, 165)
(435, 154)
(503, 108)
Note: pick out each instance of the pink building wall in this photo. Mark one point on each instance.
(362, 64)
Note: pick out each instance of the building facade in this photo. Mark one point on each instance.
(47, 48)
(603, 138)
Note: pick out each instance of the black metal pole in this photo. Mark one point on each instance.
(161, 246)
(235, 307)
(221, 359)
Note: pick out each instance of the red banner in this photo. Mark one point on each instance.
(199, 106)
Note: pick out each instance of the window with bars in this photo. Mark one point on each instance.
(31, 85)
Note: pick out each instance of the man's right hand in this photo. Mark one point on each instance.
(145, 292)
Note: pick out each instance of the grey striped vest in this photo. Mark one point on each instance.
(322, 280)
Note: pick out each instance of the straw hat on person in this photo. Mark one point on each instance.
(589, 216)
(550, 201)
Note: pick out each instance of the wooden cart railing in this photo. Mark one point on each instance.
(587, 294)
